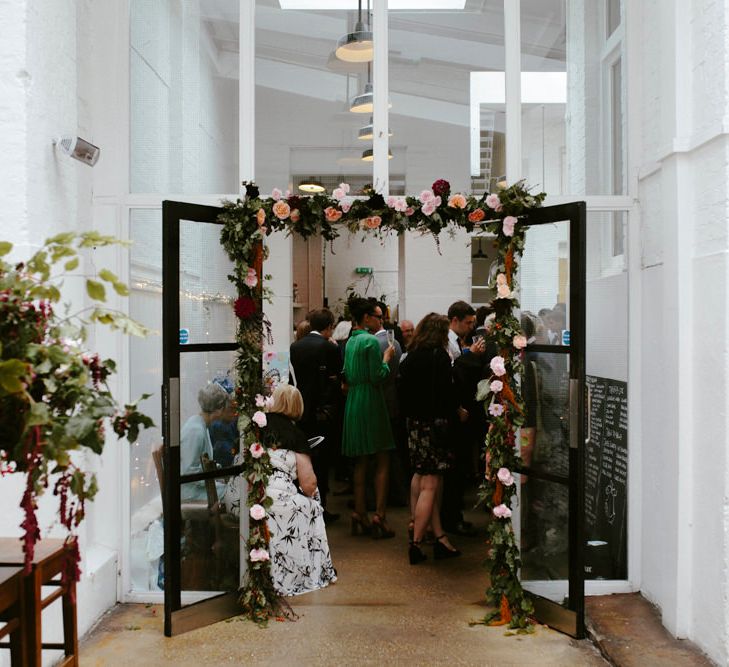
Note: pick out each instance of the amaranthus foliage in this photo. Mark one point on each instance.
(54, 396)
(247, 222)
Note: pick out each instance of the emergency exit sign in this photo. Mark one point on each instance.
(363, 269)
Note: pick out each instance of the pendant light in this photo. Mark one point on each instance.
(367, 132)
(311, 185)
(368, 155)
(362, 103)
(356, 46)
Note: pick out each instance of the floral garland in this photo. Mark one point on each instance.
(246, 223)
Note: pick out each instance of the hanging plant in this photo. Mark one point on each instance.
(54, 397)
(247, 222)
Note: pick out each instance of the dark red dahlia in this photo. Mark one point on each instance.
(441, 188)
(244, 307)
(294, 202)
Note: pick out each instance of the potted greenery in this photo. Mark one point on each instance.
(55, 402)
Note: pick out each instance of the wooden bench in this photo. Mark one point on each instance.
(48, 563)
(11, 613)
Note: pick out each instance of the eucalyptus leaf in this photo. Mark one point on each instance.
(95, 290)
(5, 248)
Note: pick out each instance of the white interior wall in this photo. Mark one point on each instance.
(683, 161)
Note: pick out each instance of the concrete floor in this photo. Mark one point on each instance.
(381, 611)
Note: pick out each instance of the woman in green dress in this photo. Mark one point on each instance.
(366, 431)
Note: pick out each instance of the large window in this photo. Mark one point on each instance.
(183, 69)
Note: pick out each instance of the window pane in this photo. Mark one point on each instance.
(606, 364)
(183, 64)
(304, 128)
(446, 75)
(572, 100)
(145, 375)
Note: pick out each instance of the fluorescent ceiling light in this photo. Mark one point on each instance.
(402, 5)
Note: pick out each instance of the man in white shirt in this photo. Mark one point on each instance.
(462, 318)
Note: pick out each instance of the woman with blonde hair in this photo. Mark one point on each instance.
(300, 558)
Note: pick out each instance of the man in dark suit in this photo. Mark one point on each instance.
(317, 365)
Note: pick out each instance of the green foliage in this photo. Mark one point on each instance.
(54, 396)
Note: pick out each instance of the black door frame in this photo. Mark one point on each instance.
(570, 619)
(180, 619)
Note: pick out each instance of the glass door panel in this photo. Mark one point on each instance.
(202, 528)
(552, 295)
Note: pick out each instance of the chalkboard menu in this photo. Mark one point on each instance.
(606, 479)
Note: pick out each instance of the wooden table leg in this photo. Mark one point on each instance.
(70, 631)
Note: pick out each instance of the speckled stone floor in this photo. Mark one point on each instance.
(381, 611)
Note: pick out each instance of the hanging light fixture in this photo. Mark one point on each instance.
(368, 155)
(366, 133)
(356, 46)
(311, 185)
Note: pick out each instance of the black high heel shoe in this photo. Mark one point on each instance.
(441, 551)
(360, 526)
(380, 529)
(415, 553)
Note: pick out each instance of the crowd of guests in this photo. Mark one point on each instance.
(395, 404)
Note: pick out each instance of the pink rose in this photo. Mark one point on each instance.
(457, 201)
(390, 201)
(496, 386)
(508, 226)
(341, 192)
(426, 196)
(409, 211)
(332, 214)
(428, 208)
(259, 418)
(268, 355)
(497, 367)
(257, 511)
(500, 512)
(437, 201)
(520, 342)
(251, 278)
(401, 205)
(496, 409)
(295, 215)
(505, 476)
(503, 291)
(257, 450)
(492, 201)
(501, 279)
(260, 401)
(372, 222)
(275, 194)
(281, 210)
(346, 205)
(345, 187)
(258, 555)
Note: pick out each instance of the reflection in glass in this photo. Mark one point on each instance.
(544, 282)
(183, 63)
(206, 294)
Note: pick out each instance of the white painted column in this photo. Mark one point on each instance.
(512, 58)
(247, 91)
(380, 84)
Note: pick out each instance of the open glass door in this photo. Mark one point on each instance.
(202, 540)
(552, 298)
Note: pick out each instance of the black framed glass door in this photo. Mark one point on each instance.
(202, 530)
(551, 509)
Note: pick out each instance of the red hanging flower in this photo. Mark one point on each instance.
(441, 188)
(244, 307)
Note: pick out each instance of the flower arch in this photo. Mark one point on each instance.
(247, 222)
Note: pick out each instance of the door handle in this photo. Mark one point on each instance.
(174, 410)
(574, 413)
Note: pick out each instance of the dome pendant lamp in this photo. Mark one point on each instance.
(356, 46)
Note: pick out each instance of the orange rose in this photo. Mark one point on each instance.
(457, 201)
(332, 214)
(295, 215)
(372, 222)
(477, 215)
(281, 209)
(261, 216)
